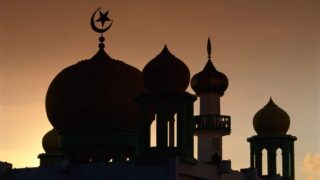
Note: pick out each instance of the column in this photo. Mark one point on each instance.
(209, 103)
(144, 126)
(292, 173)
(190, 127)
(216, 144)
(258, 155)
(171, 132)
(182, 131)
(251, 156)
(162, 128)
(285, 162)
(272, 161)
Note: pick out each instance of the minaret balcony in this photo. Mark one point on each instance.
(214, 123)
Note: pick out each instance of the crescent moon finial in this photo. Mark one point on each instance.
(102, 19)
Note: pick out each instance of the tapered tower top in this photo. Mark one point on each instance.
(209, 80)
(271, 119)
(166, 73)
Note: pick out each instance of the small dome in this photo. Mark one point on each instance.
(166, 73)
(271, 119)
(209, 80)
(99, 92)
(51, 142)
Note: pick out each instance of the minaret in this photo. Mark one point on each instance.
(271, 124)
(210, 84)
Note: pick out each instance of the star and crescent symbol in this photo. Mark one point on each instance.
(102, 19)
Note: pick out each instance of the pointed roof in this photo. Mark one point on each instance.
(166, 73)
(271, 119)
(209, 80)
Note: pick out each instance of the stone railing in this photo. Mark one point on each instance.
(211, 121)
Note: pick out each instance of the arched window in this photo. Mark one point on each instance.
(279, 161)
(195, 146)
(264, 162)
(153, 133)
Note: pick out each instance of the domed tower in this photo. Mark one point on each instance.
(166, 102)
(210, 85)
(91, 105)
(50, 144)
(271, 124)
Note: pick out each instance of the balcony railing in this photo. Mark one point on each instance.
(214, 122)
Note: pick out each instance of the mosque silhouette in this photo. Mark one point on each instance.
(102, 110)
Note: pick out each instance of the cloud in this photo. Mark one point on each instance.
(311, 166)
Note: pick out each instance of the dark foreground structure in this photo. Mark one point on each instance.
(102, 111)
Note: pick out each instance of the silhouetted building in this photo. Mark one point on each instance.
(271, 124)
(210, 125)
(102, 111)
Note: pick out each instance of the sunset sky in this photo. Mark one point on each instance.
(265, 47)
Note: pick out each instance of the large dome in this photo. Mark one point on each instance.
(166, 73)
(271, 119)
(99, 92)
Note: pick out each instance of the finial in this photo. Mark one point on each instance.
(271, 100)
(209, 48)
(165, 50)
(165, 47)
(102, 19)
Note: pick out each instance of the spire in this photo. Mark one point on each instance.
(209, 48)
(271, 103)
(165, 49)
(102, 19)
(271, 100)
(209, 80)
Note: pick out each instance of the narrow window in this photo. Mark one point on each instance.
(153, 133)
(264, 162)
(195, 146)
(175, 130)
(279, 162)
